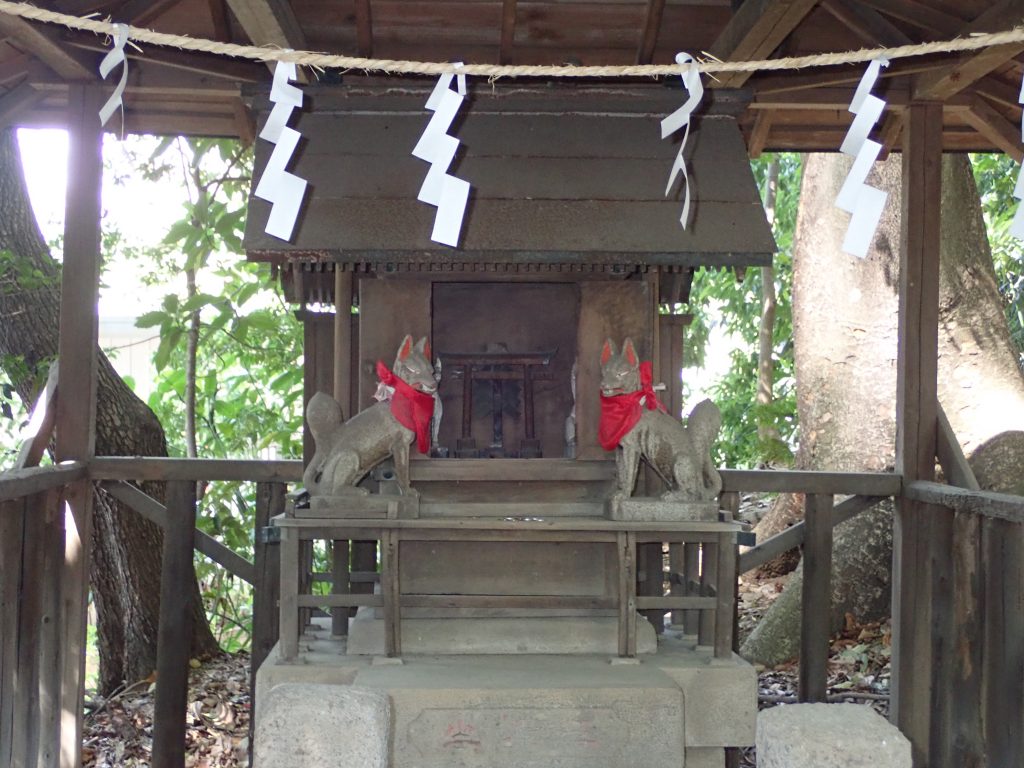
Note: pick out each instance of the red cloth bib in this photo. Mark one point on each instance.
(412, 408)
(620, 413)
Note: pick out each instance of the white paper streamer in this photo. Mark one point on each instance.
(681, 119)
(856, 197)
(1017, 225)
(283, 190)
(448, 193)
(114, 57)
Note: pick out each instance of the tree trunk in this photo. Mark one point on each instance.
(844, 321)
(766, 432)
(125, 568)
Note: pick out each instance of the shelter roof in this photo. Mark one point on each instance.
(172, 91)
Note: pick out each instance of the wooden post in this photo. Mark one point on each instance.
(267, 585)
(12, 521)
(288, 602)
(76, 410)
(343, 394)
(725, 598)
(51, 646)
(922, 534)
(174, 638)
(816, 599)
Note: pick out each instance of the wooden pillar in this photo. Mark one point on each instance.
(76, 411)
(816, 598)
(922, 534)
(343, 394)
(174, 637)
(266, 589)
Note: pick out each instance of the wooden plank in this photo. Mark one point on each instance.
(174, 637)
(24, 482)
(708, 575)
(41, 421)
(816, 599)
(867, 23)
(340, 601)
(508, 31)
(364, 28)
(626, 581)
(691, 584)
(141, 13)
(912, 694)
(76, 411)
(45, 44)
(951, 455)
(390, 586)
(468, 527)
(755, 30)
(990, 123)
(759, 133)
(12, 519)
(30, 614)
(288, 616)
(51, 647)
(138, 468)
(967, 730)
(793, 536)
(270, 501)
(725, 597)
(155, 512)
(512, 470)
(17, 100)
(341, 583)
(269, 22)
(920, 15)
(971, 67)
(1002, 506)
(649, 36)
(799, 481)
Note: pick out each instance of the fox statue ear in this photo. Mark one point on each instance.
(607, 350)
(405, 349)
(423, 346)
(630, 353)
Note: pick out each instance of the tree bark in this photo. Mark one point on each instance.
(844, 321)
(766, 432)
(125, 568)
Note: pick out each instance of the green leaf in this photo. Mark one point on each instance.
(152, 319)
(168, 342)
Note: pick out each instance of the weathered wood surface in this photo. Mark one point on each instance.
(1002, 506)
(12, 521)
(815, 610)
(794, 536)
(725, 597)
(800, 481)
(152, 468)
(17, 483)
(918, 533)
(156, 512)
(41, 422)
(175, 634)
(951, 456)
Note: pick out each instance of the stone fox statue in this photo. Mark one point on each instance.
(634, 422)
(347, 450)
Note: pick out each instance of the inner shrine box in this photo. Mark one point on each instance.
(509, 548)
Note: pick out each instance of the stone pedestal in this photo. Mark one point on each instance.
(643, 509)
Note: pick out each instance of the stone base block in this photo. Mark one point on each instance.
(510, 635)
(656, 510)
(355, 506)
(704, 757)
(836, 735)
(295, 719)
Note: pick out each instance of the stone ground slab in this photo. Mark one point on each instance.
(303, 725)
(834, 735)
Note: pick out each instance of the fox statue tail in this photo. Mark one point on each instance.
(703, 424)
(323, 415)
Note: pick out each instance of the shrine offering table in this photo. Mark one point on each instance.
(716, 605)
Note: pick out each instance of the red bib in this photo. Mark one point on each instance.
(412, 408)
(620, 413)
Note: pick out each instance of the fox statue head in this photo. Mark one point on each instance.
(413, 365)
(620, 371)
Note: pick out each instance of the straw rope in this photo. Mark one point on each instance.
(332, 61)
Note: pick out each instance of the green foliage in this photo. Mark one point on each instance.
(995, 175)
(731, 303)
(248, 357)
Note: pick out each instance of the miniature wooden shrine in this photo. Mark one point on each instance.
(501, 545)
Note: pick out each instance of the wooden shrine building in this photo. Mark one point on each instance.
(568, 239)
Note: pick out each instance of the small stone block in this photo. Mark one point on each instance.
(623, 661)
(386, 661)
(836, 735)
(705, 757)
(350, 507)
(656, 510)
(294, 717)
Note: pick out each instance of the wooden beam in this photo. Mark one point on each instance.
(47, 46)
(867, 23)
(364, 28)
(44, 414)
(508, 30)
(801, 481)
(16, 101)
(920, 15)
(155, 512)
(649, 36)
(971, 67)
(990, 123)
(246, 122)
(270, 502)
(1002, 506)
(920, 531)
(15, 483)
(755, 31)
(269, 22)
(140, 13)
(951, 455)
(759, 133)
(153, 468)
(890, 132)
(816, 599)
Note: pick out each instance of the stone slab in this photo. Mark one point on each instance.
(836, 735)
(704, 757)
(518, 635)
(354, 507)
(641, 509)
(307, 726)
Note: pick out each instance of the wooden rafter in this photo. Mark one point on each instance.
(269, 22)
(759, 133)
(219, 17)
(141, 13)
(891, 132)
(649, 36)
(364, 28)
(755, 30)
(16, 101)
(201, 63)
(990, 123)
(919, 15)
(967, 69)
(867, 23)
(508, 30)
(45, 45)
(998, 92)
